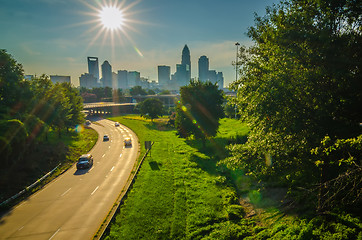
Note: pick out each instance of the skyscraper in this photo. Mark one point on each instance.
(93, 67)
(186, 60)
(164, 76)
(122, 79)
(106, 74)
(203, 69)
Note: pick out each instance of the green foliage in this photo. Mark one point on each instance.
(298, 83)
(199, 110)
(151, 108)
(29, 107)
(137, 90)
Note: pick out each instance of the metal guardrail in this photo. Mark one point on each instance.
(28, 187)
(101, 231)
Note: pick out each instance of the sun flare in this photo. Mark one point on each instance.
(111, 18)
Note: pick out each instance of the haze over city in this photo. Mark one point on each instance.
(55, 37)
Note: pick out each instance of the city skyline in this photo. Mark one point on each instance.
(56, 37)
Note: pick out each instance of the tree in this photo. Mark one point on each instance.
(199, 110)
(151, 108)
(299, 82)
(137, 90)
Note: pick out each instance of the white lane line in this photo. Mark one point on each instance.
(54, 234)
(20, 228)
(95, 190)
(121, 154)
(109, 146)
(90, 169)
(112, 168)
(65, 192)
(103, 155)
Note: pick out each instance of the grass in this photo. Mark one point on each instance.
(181, 193)
(178, 193)
(44, 157)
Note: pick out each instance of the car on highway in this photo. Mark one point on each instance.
(85, 161)
(127, 142)
(88, 123)
(116, 124)
(105, 138)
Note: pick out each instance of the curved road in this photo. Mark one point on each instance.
(74, 205)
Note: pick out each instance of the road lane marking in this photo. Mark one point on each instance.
(112, 168)
(65, 192)
(109, 146)
(95, 190)
(54, 234)
(20, 228)
(120, 155)
(103, 155)
(90, 169)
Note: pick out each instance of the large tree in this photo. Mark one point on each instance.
(151, 108)
(199, 110)
(299, 82)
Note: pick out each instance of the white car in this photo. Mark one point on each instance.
(127, 142)
(116, 124)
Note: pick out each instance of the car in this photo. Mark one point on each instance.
(127, 142)
(85, 161)
(116, 124)
(105, 138)
(88, 123)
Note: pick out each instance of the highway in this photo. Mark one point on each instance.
(74, 205)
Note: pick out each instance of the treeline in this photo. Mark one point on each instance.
(30, 108)
(108, 94)
(300, 91)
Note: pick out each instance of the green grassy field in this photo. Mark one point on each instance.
(180, 193)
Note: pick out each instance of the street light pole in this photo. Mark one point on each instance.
(236, 70)
(236, 61)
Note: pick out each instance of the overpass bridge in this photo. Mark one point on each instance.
(109, 108)
(112, 108)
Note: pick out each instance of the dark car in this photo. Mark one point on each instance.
(85, 161)
(105, 138)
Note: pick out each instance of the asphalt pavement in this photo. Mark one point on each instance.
(74, 205)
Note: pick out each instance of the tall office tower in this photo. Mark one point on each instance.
(164, 76)
(107, 74)
(181, 75)
(93, 67)
(220, 80)
(122, 79)
(212, 76)
(203, 69)
(87, 80)
(134, 79)
(187, 62)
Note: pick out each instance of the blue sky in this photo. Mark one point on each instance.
(56, 36)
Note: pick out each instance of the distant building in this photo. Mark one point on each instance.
(212, 76)
(88, 80)
(93, 67)
(186, 60)
(134, 79)
(220, 80)
(181, 75)
(203, 69)
(28, 77)
(59, 79)
(164, 76)
(122, 79)
(106, 74)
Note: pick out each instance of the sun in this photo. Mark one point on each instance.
(111, 17)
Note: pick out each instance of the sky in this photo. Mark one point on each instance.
(55, 37)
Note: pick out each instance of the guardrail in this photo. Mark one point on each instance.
(101, 231)
(28, 187)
